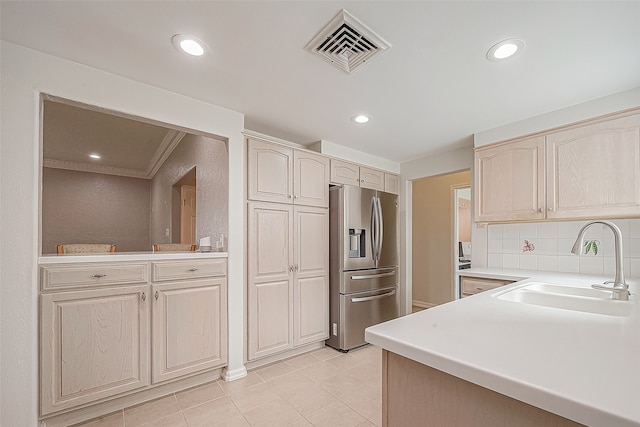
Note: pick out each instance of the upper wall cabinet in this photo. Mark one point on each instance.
(391, 183)
(509, 181)
(592, 170)
(352, 174)
(284, 175)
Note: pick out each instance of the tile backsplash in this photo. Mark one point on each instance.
(546, 246)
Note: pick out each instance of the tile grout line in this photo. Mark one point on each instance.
(295, 369)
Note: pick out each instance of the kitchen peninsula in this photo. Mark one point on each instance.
(484, 360)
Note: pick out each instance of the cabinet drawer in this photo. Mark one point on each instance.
(62, 276)
(188, 269)
(472, 285)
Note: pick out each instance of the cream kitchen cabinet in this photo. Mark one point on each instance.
(310, 275)
(270, 279)
(391, 183)
(591, 170)
(594, 170)
(509, 181)
(352, 174)
(102, 338)
(189, 330)
(94, 344)
(288, 287)
(474, 285)
(281, 174)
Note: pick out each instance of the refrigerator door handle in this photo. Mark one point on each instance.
(380, 232)
(374, 230)
(363, 299)
(373, 276)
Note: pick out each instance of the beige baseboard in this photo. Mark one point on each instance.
(422, 304)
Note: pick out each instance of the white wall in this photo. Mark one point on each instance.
(351, 155)
(597, 107)
(26, 73)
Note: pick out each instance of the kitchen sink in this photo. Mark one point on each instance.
(568, 297)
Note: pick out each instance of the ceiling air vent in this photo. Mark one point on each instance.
(347, 43)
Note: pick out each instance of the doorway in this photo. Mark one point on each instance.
(188, 214)
(462, 237)
(183, 209)
(435, 238)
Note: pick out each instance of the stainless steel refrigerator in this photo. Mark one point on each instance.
(363, 263)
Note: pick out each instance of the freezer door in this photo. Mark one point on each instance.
(368, 280)
(363, 309)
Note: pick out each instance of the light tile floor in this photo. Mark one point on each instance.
(322, 388)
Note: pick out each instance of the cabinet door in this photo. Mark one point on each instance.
(311, 179)
(269, 293)
(270, 169)
(371, 178)
(94, 344)
(474, 285)
(594, 170)
(391, 183)
(345, 173)
(311, 278)
(509, 181)
(189, 327)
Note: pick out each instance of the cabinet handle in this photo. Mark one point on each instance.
(98, 276)
(478, 288)
(295, 268)
(143, 296)
(289, 196)
(156, 295)
(364, 299)
(191, 270)
(291, 268)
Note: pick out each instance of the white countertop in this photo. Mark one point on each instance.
(582, 366)
(127, 256)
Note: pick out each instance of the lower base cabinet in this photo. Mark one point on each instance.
(187, 328)
(474, 285)
(109, 341)
(94, 344)
(417, 395)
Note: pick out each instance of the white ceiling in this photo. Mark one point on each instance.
(429, 92)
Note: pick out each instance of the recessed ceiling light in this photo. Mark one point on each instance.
(361, 118)
(95, 156)
(505, 49)
(189, 44)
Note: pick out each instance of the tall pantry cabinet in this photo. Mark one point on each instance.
(288, 248)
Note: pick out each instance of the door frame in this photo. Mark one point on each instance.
(455, 190)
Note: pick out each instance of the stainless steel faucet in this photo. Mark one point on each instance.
(620, 289)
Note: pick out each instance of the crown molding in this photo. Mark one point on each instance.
(168, 144)
(85, 167)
